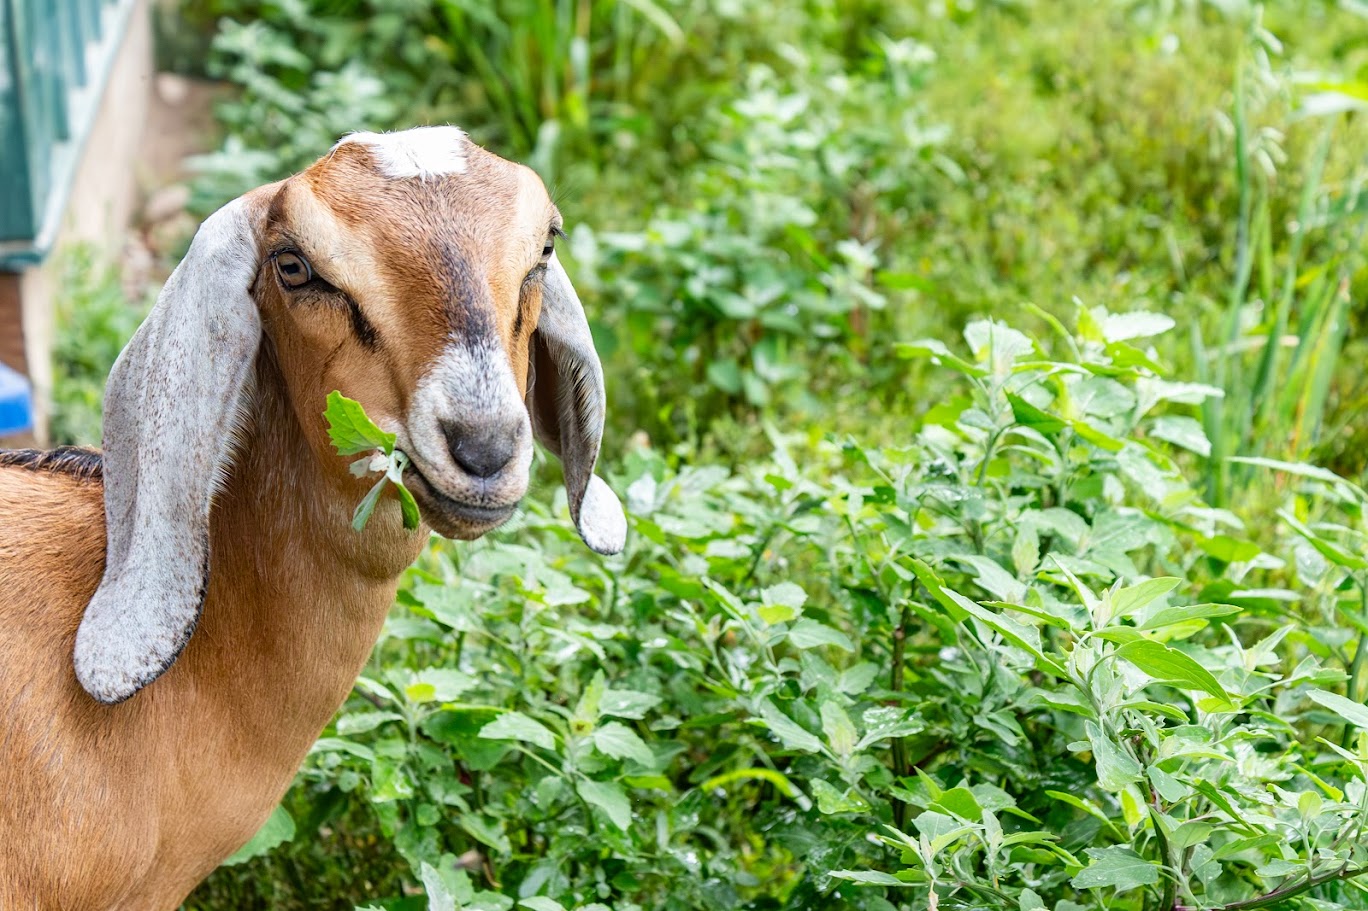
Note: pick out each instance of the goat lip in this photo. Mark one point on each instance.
(454, 518)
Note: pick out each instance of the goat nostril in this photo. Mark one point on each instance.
(481, 453)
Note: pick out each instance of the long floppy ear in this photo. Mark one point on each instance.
(566, 400)
(170, 408)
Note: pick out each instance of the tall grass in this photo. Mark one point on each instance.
(1286, 316)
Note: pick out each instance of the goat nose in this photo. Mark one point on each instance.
(481, 451)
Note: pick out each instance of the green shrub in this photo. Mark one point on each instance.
(759, 289)
(94, 318)
(1028, 667)
(1000, 625)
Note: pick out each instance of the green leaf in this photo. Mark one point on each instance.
(1181, 431)
(360, 722)
(409, 506)
(541, 903)
(937, 352)
(786, 594)
(887, 722)
(993, 579)
(351, 430)
(1301, 469)
(1122, 327)
(277, 830)
(626, 703)
(486, 832)
(340, 745)
(807, 633)
(587, 709)
(840, 733)
(1096, 437)
(1029, 415)
(991, 338)
(1228, 549)
(367, 505)
(1087, 806)
(830, 800)
(960, 802)
(438, 895)
(1327, 549)
(868, 878)
(1127, 601)
(778, 779)
(1352, 712)
(621, 742)
(446, 683)
(1116, 867)
(1170, 665)
(1168, 616)
(1014, 631)
(420, 692)
(776, 613)
(936, 586)
(790, 734)
(517, 726)
(1116, 768)
(609, 797)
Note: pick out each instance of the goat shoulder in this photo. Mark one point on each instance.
(54, 740)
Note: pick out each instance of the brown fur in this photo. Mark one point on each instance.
(129, 806)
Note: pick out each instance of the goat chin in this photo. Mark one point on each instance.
(185, 612)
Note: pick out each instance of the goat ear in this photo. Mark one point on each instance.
(171, 406)
(566, 400)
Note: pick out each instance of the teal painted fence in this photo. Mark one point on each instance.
(54, 58)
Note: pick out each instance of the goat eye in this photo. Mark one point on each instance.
(549, 248)
(293, 269)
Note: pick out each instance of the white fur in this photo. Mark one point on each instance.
(602, 524)
(171, 409)
(422, 152)
(471, 385)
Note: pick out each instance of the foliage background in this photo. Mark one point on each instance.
(986, 398)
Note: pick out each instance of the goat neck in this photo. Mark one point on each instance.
(296, 599)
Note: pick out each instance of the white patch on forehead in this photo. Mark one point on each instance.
(422, 152)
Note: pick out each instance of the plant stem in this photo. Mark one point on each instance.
(1356, 665)
(901, 767)
(1286, 892)
(1174, 864)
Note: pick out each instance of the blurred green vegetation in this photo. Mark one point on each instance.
(930, 333)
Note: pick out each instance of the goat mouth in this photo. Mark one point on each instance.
(450, 517)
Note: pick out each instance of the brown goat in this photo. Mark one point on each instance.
(414, 272)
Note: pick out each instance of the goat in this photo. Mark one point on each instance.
(416, 273)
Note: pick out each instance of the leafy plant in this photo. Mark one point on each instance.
(353, 432)
(1029, 668)
(93, 320)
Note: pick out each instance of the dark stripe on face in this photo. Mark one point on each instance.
(470, 306)
(522, 312)
(363, 328)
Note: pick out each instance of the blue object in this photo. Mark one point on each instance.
(16, 402)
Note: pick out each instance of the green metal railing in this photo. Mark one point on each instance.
(54, 58)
